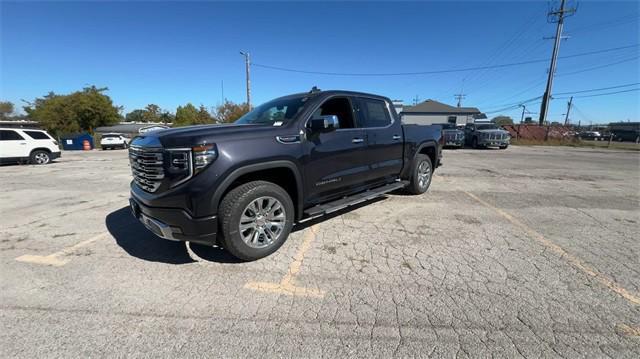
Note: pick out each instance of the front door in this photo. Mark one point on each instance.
(12, 144)
(335, 161)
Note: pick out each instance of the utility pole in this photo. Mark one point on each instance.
(524, 108)
(247, 63)
(222, 87)
(415, 100)
(561, 13)
(566, 118)
(459, 97)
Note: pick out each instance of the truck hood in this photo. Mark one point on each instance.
(192, 135)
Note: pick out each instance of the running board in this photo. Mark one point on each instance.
(339, 204)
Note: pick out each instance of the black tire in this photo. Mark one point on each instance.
(231, 210)
(415, 186)
(39, 157)
(474, 142)
(504, 147)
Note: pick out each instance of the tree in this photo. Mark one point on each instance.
(502, 120)
(167, 117)
(152, 113)
(229, 112)
(204, 116)
(6, 109)
(186, 115)
(79, 111)
(135, 116)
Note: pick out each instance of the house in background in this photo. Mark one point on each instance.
(431, 111)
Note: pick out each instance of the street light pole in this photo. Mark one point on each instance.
(247, 63)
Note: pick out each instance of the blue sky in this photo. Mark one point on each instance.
(171, 53)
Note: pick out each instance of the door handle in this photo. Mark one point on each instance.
(23, 143)
(357, 140)
(396, 137)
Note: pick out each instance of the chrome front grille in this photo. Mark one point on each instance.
(146, 167)
(453, 136)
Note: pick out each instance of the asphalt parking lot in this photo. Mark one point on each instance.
(531, 251)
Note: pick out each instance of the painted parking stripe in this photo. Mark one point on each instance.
(571, 259)
(61, 257)
(287, 285)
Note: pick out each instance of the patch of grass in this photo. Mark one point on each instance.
(578, 143)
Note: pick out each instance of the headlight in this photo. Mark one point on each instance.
(203, 156)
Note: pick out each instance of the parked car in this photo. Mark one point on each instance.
(486, 135)
(590, 135)
(27, 145)
(290, 160)
(453, 137)
(113, 140)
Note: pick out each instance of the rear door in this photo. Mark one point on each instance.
(384, 138)
(336, 160)
(13, 144)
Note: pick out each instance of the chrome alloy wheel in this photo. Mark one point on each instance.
(262, 222)
(41, 158)
(424, 174)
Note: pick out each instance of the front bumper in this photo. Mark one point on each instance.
(175, 224)
(454, 143)
(489, 142)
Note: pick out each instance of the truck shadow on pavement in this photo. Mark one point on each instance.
(139, 242)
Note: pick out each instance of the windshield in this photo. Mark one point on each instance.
(448, 126)
(274, 113)
(488, 126)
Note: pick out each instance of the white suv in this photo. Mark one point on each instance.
(22, 144)
(113, 140)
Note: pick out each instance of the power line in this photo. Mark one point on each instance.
(597, 67)
(440, 71)
(598, 89)
(600, 94)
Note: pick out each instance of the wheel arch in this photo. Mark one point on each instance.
(283, 173)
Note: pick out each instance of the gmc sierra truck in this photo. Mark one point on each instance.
(244, 185)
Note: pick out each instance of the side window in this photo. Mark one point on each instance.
(340, 107)
(469, 127)
(37, 135)
(452, 119)
(374, 113)
(8, 135)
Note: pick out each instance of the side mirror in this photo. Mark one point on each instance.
(325, 123)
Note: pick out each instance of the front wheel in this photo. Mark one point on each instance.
(40, 157)
(474, 142)
(420, 175)
(504, 147)
(256, 219)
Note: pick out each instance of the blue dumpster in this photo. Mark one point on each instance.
(74, 141)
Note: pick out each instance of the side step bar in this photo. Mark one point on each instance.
(339, 204)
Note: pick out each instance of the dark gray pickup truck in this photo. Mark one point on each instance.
(486, 135)
(243, 186)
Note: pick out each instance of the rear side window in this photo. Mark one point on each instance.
(374, 113)
(8, 135)
(37, 135)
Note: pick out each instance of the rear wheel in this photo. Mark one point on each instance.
(40, 157)
(421, 175)
(256, 219)
(504, 147)
(474, 142)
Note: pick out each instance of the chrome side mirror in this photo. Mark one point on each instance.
(325, 123)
